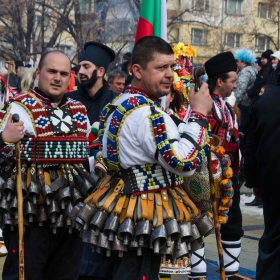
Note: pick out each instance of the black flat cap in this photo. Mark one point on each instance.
(220, 63)
(98, 54)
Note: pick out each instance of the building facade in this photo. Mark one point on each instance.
(213, 26)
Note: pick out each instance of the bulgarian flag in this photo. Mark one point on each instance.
(152, 20)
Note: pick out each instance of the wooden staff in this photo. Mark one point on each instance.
(216, 218)
(20, 207)
(10, 64)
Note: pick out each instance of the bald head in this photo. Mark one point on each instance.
(53, 75)
(44, 56)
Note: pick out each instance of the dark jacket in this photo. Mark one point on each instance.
(260, 81)
(261, 150)
(94, 104)
(273, 77)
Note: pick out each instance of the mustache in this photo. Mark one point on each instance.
(84, 76)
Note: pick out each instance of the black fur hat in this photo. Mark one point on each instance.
(98, 54)
(220, 63)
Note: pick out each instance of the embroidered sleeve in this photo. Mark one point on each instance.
(186, 153)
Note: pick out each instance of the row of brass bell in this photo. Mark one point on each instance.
(108, 228)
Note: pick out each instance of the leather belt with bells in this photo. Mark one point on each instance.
(187, 201)
(111, 201)
(124, 209)
(102, 186)
(158, 215)
(131, 207)
(168, 213)
(180, 210)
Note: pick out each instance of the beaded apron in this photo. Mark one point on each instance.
(143, 206)
(54, 179)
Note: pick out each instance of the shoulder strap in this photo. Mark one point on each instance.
(120, 113)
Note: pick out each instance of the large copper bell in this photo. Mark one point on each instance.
(111, 227)
(76, 197)
(143, 231)
(9, 189)
(195, 233)
(93, 178)
(84, 217)
(8, 220)
(186, 232)
(98, 221)
(24, 189)
(134, 245)
(34, 192)
(66, 214)
(14, 206)
(167, 252)
(126, 231)
(196, 244)
(180, 252)
(64, 197)
(30, 211)
(76, 209)
(104, 243)
(158, 238)
(2, 183)
(59, 223)
(205, 225)
(4, 205)
(42, 215)
(118, 246)
(86, 187)
(53, 211)
(25, 222)
(89, 236)
(173, 231)
(47, 193)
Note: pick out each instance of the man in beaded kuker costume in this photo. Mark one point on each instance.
(221, 71)
(141, 217)
(53, 134)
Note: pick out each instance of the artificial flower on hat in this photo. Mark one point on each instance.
(183, 71)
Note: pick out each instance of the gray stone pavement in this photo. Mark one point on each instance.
(253, 228)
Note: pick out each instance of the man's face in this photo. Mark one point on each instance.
(264, 60)
(157, 78)
(117, 85)
(228, 85)
(54, 76)
(87, 73)
(240, 64)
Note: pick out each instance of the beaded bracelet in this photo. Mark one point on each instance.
(198, 115)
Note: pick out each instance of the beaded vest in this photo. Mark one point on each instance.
(145, 177)
(60, 132)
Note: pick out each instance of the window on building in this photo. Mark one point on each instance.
(264, 10)
(67, 50)
(199, 37)
(232, 40)
(86, 6)
(38, 20)
(200, 5)
(262, 43)
(233, 7)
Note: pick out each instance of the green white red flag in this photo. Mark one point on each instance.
(152, 19)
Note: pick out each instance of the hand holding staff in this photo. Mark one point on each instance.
(15, 119)
(216, 219)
